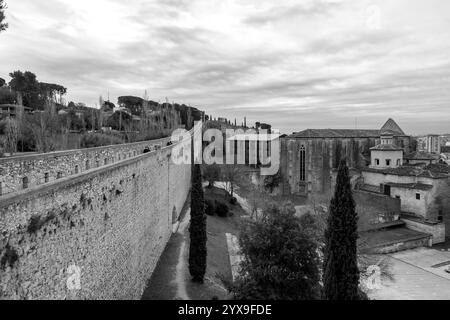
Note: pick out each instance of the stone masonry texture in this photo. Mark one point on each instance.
(110, 223)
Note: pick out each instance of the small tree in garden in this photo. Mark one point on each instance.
(280, 259)
(197, 229)
(340, 265)
(211, 173)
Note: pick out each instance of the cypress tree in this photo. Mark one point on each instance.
(197, 229)
(341, 274)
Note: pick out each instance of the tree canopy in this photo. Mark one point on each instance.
(33, 93)
(280, 259)
(3, 24)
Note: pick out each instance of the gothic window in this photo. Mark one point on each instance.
(377, 162)
(302, 163)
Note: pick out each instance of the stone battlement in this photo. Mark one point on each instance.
(95, 235)
(23, 172)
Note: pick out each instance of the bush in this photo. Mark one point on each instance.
(221, 209)
(92, 140)
(233, 201)
(209, 208)
(281, 261)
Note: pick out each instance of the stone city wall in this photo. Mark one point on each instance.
(18, 173)
(95, 235)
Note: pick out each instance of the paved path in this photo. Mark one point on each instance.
(168, 281)
(419, 274)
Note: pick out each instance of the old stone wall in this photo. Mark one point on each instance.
(18, 173)
(322, 156)
(105, 227)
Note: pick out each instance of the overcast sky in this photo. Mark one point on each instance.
(295, 64)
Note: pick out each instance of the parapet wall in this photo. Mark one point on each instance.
(18, 173)
(108, 225)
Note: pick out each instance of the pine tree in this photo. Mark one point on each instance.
(197, 229)
(341, 274)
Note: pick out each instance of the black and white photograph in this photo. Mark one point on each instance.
(225, 155)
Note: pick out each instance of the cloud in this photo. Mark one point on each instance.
(295, 64)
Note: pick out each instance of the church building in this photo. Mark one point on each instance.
(309, 158)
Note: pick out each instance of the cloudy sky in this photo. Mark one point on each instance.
(296, 64)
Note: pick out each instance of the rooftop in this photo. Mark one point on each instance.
(419, 155)
(414, 186)
(336, 133)
(387, 147)
(411, 171)
(389, 128)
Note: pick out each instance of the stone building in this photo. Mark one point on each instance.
(422, 188)
(308, 158)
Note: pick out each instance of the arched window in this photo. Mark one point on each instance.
(302, 163)
(377, 162)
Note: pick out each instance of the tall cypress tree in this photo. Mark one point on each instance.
(341, 274)
(197, 229)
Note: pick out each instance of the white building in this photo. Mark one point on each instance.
(423, 187)
(433, 144)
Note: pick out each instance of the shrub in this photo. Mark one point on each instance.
(280, 262)
(221, 209)
(92, 140)
(233, 201)
(209, 208)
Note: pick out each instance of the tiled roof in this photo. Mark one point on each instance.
(415, 186)
(336, 133)
(387, 147)
(411, 171)
(391, 128)
(421, 156)
(441, 168)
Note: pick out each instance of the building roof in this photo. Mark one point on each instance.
(387, 147)
(438, 167)
(336, 133)
(419, 155)
(414, 186)
(391, 128)
(410, 171)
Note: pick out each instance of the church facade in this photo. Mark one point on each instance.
(309, 158)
